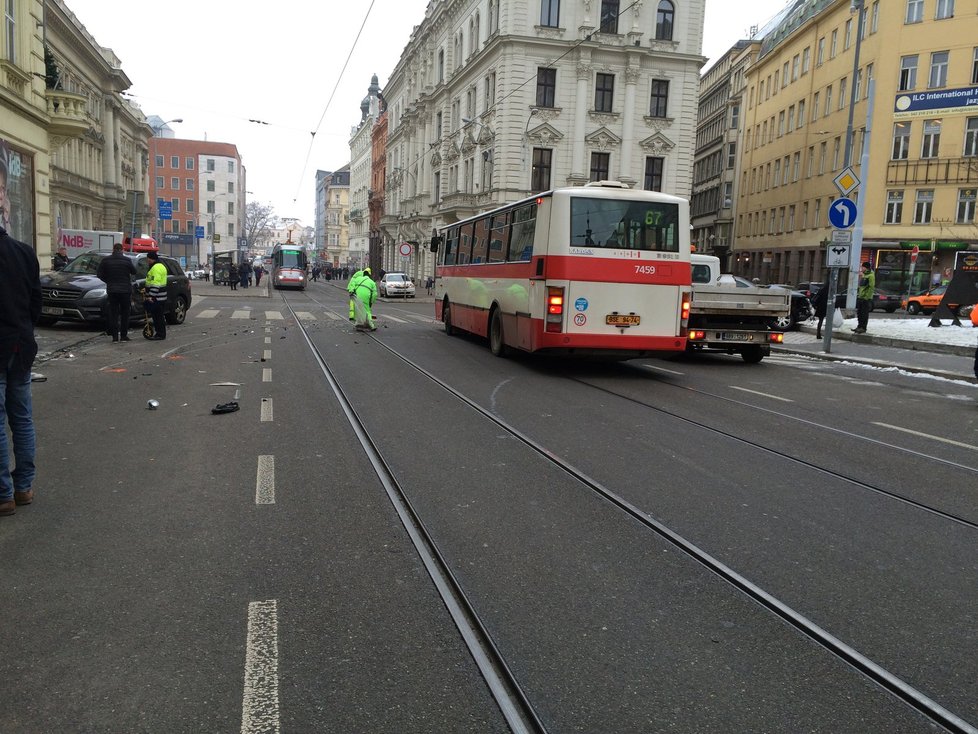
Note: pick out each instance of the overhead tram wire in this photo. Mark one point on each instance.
(312, 138)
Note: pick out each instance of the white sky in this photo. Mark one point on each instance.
(217, 64)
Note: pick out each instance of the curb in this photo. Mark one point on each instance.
(958, 376)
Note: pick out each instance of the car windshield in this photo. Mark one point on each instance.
(84, 264)
(396, 278)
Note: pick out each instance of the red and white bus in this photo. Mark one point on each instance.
(599, 269)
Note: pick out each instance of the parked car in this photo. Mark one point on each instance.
(809, 288)
(881, 299)
(928, 302)
(396, 284)
(76, 293)
(801, 308)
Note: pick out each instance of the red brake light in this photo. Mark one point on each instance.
(555, 309)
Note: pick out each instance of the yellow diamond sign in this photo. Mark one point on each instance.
(847, 181)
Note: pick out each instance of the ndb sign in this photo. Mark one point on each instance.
(943, 102)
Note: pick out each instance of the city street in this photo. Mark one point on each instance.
(692, 544)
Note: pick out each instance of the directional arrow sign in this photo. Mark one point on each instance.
(842, 213)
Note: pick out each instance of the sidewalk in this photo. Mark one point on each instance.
(908, 344)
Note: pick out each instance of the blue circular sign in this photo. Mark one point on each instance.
(842, 213)
(581, 304)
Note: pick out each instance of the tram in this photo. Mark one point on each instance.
(289, 266)
(594, 270)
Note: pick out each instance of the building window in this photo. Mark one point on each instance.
(210, 167)
(894, 207)
(971, 137)
(777, 172)
(908, 73)
(188, 163)
(731, 156)
(817, 216)
(938, 69)
(174, 161)
(833, 44)
(659, 104)
(823, 150)
(600, 163)
(915, 11)
(847, 40)
(653, 173)
(175, 183)
(795, 67)
(801, 114)
(735, 117)
(932, 139)
(190, 205)
(806, 60)
(836, 150)
(210, 207)
(664, 18)
(811, 162)
(815, 107)
(945, 9)
(175, 205)
(159, 182)
(828, 101)
(540, 175)
(875, 25)
(441, 66)
(781, 123)
(966, 206)
(901, 141)
(159, 161)
(604, 91)
(230, 166)
(924, 208)
(490, 90)
(795, 167)
(210, 185)
(820, 52)
(609, 16)
(843, 84)
(546, 86)
(188, 184)
(230, 187)
(859, 85)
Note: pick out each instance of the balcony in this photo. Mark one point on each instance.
(69, 118)
(931, 171)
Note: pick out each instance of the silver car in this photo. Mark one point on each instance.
(396, 284)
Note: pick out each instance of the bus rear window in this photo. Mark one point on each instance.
(624, 225)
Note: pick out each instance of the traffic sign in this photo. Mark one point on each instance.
(405, 249)
(198, 232)
(165, 209)
(216, 238)
(837, 254)
(847, 181)
(842, 213)
(914, 253)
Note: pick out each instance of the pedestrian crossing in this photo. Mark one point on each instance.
(305, 316)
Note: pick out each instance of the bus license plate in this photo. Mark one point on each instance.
(734, 337)
(622, 319)
(52, 311)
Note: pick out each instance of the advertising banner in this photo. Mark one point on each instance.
(935, 104)
(17, 193)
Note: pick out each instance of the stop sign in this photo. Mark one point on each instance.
(913, 254)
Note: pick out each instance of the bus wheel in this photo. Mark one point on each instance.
(446, 316)
(496, 344)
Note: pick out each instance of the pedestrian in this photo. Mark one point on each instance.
(207, 274)
(429, 283)
(233, 276)
(349, 289)
(864, 298)
(364, 292)
(59, 261)
(155, 300)
(820, 302)
(20, 308)
(974, 322)
(259, 271)
(117, 272)
(244, 272)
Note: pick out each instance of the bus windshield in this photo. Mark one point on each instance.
(626, 225)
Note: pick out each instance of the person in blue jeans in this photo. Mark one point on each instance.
(20, 308)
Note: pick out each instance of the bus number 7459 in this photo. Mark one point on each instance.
(645, 269)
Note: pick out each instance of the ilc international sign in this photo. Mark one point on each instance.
(943, 102)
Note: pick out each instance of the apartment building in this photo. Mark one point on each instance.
(493, 101)
(922, 173)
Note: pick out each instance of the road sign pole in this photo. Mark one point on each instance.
(857, 236)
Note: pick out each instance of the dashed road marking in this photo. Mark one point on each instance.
(392, 318)
(266, 355)
(273, 315)
(762, 394)
(268, 340)
(265, 481)
(266, 410)
(260, 704)
(305, 316)
(333, 316)
(208, 313)
(266, 374)
(927, 435)
(241, 313)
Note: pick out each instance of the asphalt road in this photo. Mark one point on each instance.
(183, 571)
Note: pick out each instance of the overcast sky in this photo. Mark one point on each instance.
(217, 64)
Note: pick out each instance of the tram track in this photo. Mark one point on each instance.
(513, 697)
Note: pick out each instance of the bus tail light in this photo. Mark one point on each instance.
(555, 309)
(684, 313)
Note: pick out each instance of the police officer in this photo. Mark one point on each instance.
(155, 302)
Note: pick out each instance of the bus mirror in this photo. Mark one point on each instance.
(435, 241)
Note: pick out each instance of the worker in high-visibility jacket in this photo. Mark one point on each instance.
(349, 289)
(364, 292)
(155, 301)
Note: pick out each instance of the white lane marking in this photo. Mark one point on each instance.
(259, 705)
(422, 319)
(273, 315)
(333, 316)
(265, 481)
(305, 316)
(662, 369)
(927, 435)
(242, 313)
(762, 394)
(268, 340)
(267, 354)
(392, 318)
(266, 374)
(266, 410)
(208, 313)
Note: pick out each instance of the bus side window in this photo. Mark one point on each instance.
(464, 244)
(499, 238)
(524, 227)
(480, 241)
(451, 246)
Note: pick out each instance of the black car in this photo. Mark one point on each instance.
(801, 308)
(76, 293)
(883, 300)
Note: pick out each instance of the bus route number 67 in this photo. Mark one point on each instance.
(645, 269)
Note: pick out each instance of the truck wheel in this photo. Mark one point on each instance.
(752, 355)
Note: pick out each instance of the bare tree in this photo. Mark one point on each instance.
(259, 219)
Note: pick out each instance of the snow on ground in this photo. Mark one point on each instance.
(917, 329)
